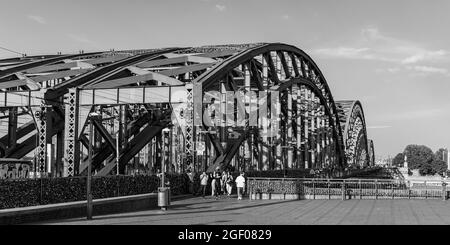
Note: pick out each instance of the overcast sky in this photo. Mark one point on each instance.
(394, 56)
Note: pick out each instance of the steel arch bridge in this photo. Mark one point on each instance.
(46, 102)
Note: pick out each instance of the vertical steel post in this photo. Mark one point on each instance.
(306, 128)
(89, 174)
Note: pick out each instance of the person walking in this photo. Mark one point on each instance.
(213, 184)
(191, 181)
(203, 183)
(229, 183)
(240, 184)
(217, 178)
(223, 182)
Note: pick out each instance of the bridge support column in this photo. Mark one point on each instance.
(319, 137)
(263, 132)
(264, 117)
(327, 143)
(323, 138)
(59, 154)
(313, 132)
(189, 138)
(41, 149)
(290, 151)
(306, 128)
(71, 152)
(298, 136)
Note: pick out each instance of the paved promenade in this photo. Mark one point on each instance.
(227, 211)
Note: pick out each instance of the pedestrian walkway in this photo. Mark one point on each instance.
(230, 211)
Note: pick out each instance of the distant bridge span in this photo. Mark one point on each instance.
(45, 101)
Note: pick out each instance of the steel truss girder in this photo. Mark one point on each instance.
(97, 75)
(136, 144)
(106, 150)
(45, 61)
(286, 66)
(135, 79)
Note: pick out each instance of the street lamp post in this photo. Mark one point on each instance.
(163, 163)
(89, 174)
(164, 153)
(163, 192)
(117, 152)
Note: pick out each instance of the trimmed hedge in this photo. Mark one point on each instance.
(33, 192)
(372, 173)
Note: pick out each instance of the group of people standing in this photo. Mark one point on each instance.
(221, 183)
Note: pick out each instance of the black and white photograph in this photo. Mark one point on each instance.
(223, 113)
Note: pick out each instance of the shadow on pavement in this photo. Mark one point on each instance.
(200, 210)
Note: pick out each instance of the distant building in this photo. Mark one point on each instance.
(383, 161)
(446, 157)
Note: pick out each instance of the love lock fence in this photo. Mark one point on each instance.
(293, 188)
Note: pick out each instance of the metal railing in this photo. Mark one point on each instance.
(294, 188)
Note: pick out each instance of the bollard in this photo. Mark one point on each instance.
(444, 191)
(329, 193)
(314, 190)
(409, 189)
(392, 191)
(376, 189)
(360, 189)
(426, 190)
(343, 190)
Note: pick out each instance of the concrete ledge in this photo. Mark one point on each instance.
(78, 209)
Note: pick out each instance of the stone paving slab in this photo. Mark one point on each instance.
(229, 211)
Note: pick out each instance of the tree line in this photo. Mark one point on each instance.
(421, 157)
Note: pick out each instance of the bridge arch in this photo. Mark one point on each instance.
(357, 146)
(283, 68)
